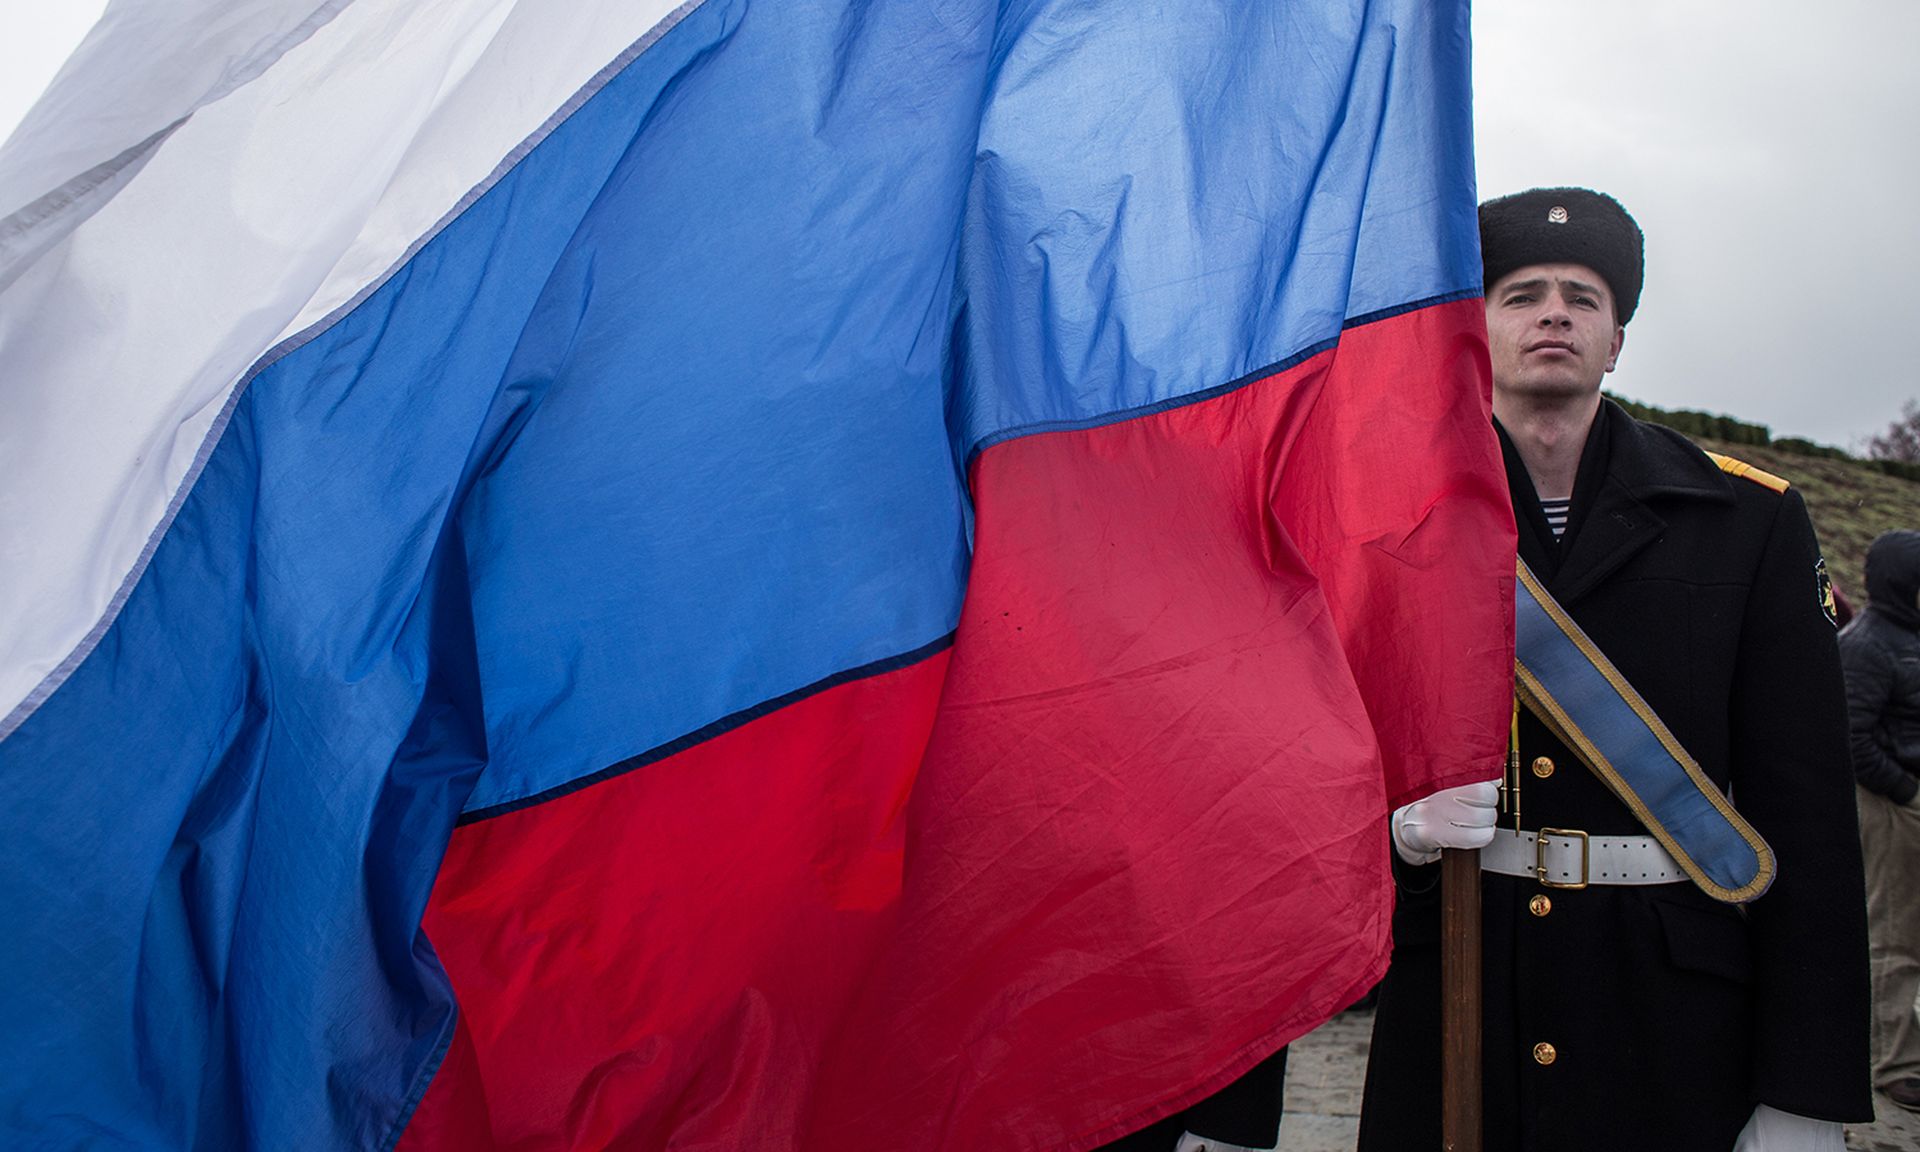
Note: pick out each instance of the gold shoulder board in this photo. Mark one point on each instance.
(1747, 471)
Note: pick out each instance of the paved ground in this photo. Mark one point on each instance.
(1894, 1129)
(1326, 1069)
(1325, 1072)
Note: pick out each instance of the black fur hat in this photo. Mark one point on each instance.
(1564, 226)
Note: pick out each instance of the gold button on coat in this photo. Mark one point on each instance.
(1542, 767)
(1539, 905)
(1543, 1053)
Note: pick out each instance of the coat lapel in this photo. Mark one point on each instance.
(1644, 466)
(1615, 529)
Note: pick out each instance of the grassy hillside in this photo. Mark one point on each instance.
(1850, 502)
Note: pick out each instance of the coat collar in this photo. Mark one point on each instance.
(1650, 461)
(1627, 470)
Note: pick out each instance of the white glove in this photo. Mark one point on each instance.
(1452, 818)
(1771, 1130)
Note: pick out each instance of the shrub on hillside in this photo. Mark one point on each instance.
(1905, 469)
(1802, 447)
(1688, 422)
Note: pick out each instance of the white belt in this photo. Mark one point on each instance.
(1568, 858)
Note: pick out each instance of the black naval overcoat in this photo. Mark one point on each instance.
(1669, 1015)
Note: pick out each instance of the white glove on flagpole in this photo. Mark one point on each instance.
(1771, 1130)
(1452, 818)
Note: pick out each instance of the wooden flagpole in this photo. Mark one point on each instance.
(1460, 1129)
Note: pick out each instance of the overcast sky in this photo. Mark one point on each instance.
(1770, 152)
(1769, 149)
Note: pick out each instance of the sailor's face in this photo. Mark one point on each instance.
(1551, 332)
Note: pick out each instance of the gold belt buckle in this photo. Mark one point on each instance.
(1540, 851)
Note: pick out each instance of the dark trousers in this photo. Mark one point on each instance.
(1245, 1112)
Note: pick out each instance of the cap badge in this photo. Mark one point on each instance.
(1556, 215)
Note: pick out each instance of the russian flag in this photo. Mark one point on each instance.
(733, 575)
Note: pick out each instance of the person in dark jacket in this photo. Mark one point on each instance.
(1624, 1007)
(1880, 651)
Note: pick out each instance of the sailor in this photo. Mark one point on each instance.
(1674, 942)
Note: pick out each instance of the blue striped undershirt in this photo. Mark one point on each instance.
(1556, 511)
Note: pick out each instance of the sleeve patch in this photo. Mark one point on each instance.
(1824, 586)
